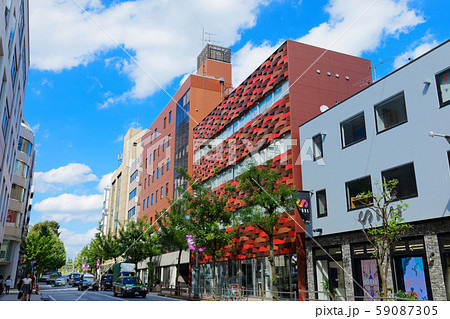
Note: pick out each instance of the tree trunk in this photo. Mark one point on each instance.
(273, 269)
(178, 271)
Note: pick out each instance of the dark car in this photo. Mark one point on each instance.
(76, 281)
(106, 282)
(88, 282)
(129, 286)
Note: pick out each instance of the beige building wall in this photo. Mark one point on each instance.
(120, 181)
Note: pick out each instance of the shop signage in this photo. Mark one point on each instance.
(304, 205)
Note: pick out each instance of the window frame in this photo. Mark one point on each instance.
(315, 158)
(317, 203)
(383, 102)
(348, 197)
(438, 87)
(341, 124)
(414, 176)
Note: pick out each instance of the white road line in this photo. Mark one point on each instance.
(112, 297)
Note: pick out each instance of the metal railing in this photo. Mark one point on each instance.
(313, 295)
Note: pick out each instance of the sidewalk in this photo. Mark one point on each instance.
(12, 296)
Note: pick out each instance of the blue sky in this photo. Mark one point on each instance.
(84, 91)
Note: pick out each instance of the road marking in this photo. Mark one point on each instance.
(116, 298)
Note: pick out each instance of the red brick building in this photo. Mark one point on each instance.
(259, 121)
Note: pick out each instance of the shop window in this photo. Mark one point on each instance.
(329, 273)
(357, 193)
(353, 130)
(406, 178)
(444, 241)
(410, 269)
(321, 203)
(367, 284)
(317, 147)
(443, 86)
(391, 113)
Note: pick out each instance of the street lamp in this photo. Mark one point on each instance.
(447, 137)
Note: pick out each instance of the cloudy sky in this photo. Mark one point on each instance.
(99, 67)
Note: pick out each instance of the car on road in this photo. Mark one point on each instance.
(87, 281)
(129, 286)
(71, 278)
(106, 282)
(60, 282)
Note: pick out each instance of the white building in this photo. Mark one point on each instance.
(20, 201)
(379, 134)
(14, 63)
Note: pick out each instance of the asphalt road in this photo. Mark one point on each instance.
(69, 293)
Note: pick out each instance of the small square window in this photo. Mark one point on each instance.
(443, 86)
(391, 112)
(354, 189)
(317, 147)
(406, 178)
(321, 203)
(353, 130)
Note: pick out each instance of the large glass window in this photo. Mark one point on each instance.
(321, 203)
(18, 193)
(133, 176)
(21, 169)
(443, 85)
(25, 146)
(13, 217)
(353, 130)
(355, 189)
(391, 112)
(405, 175)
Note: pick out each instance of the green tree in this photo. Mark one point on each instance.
(388, 226)
(137, 241)
(43, 244)
(207, 217)
(264, 200)
(172, 230)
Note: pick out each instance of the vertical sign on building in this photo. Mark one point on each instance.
(304, 205)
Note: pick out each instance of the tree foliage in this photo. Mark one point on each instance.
(207, 217)
(387, 228)
(265, 199)
(43, 244)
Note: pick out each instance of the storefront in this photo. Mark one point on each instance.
(365, 272)
(410, 268)
(444, 243)
(328, 272)
(253, 276)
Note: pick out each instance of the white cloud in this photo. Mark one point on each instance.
(104, 181)
(415, 50)
(346, 31)
(248, 58)
(357, 26)
(161, 36)
(70, 203)
(74, 242)
(71, 174)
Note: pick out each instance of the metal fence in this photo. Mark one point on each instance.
(315, 295)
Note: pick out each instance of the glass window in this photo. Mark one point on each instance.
(391, 113)
(17, 193)
(156, 196)
(170, 116)
(353, 130)
(153, 177)
(443, 85)
(131, 212)
(165, 122)
(6, 122)
(168, 140)
(321, 204)
(406, 177)
(157, 172)
(145, 183)
(354, 190)
(152, 199)
(162, 169)
(168, 163)
(317, 147)
(162, 192)
(167, 189)
(148, 200)
(21, 169)
(132, 194)
(133, 176)
(13, 217)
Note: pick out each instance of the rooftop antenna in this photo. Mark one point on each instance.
(374, 68)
